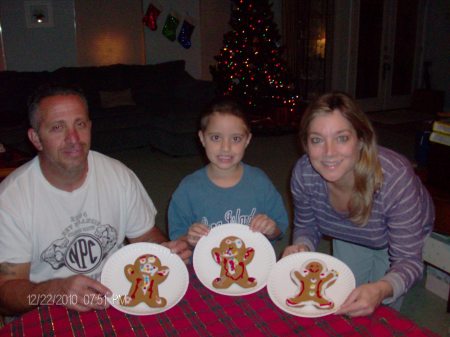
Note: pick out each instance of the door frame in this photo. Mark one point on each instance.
(2, 50)
(345, 55)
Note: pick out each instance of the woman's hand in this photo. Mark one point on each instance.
(295, 249)
(363, 300)
(196, 231)
(265, 225)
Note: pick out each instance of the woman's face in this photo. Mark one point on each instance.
(333, 148)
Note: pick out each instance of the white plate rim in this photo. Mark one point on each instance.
(286, 264)
(206, 243)
(134, 250)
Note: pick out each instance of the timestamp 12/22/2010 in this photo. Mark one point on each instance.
(69, 299)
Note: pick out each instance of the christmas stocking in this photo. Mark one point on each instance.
(184, 37)
(170, 27)
(151, 16)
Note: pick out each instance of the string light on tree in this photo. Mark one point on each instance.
(250, 65)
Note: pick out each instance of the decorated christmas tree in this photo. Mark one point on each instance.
(250, 65)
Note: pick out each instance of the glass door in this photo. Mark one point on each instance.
(387, 45)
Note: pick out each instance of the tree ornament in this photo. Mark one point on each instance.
(250, 66)
(184, 37)
(170, 27)
(151, 16)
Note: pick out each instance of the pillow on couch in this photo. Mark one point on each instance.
(112, 99)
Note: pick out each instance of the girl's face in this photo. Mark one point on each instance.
(225, 140)
(333, 148)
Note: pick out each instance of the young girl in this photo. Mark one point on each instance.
(226, 190)
(366, 197)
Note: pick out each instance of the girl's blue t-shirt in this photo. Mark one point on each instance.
(198, 200)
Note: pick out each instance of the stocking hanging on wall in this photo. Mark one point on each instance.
(151, 16)
(184, 37)
(170, 27)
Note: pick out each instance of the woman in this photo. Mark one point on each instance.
(366, 197)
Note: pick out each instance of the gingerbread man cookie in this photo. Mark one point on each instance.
(233, 258)
(313, 278)
(145, 275)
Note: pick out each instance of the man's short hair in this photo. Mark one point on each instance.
(48, 90)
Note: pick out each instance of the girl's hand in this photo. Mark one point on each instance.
(196, 231)
(181, 248)
(295, 249)
(265, 225)
(363, 300)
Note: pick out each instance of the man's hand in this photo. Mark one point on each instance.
(18, 294)
(179, 247)
(81, 293)
(363, 300)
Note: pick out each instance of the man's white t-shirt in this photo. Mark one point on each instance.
(64, 233)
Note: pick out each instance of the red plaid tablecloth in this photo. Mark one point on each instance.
(204, 313)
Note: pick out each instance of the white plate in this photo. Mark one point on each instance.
(207, 269)
(172, 289)
(280, 285)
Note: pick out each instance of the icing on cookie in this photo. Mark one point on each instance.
(233, 257)
(145, 275)
(313, 279)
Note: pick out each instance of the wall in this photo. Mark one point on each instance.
(35, 49)
(159, 49)
(90, 32)
(109, 32)
(214, 20)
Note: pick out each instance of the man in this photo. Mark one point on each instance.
(66, 211)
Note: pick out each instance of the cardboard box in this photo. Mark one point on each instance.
(438, 282)
(436, 251)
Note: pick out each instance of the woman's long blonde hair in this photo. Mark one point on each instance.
(367, 171)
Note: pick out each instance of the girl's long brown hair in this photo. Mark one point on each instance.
(367, 171)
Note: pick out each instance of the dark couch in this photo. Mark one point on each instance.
(130, 105)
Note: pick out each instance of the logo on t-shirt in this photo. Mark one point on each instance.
(232, 217)
(83, 254)
(83, 246)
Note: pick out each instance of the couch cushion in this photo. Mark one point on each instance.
(140, 74)
(119, 118)
(92, 80)
(112, 99)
